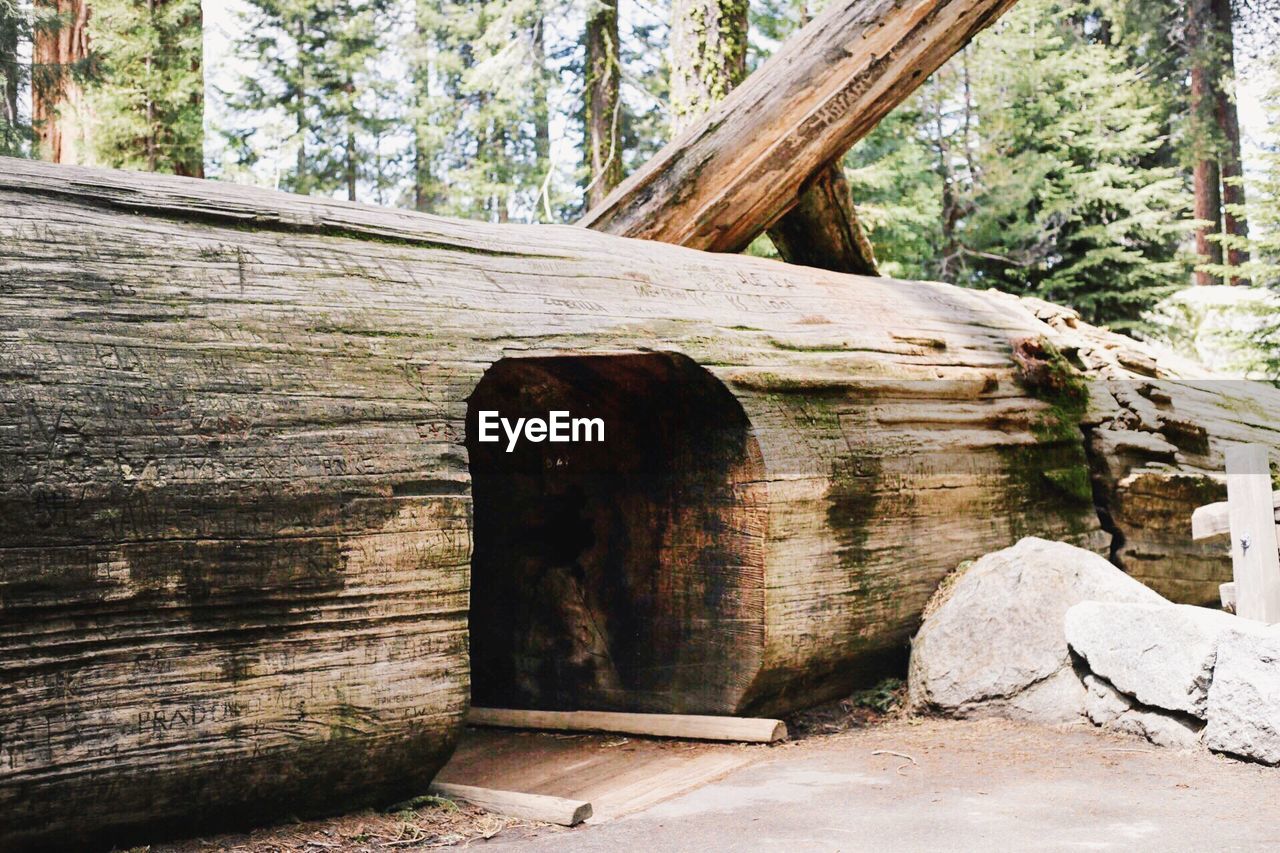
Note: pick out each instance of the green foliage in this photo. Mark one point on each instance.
(317, 65)
(15, 27)
(1035, 163)
(886, 697)
(1262, 211)
(148, 100)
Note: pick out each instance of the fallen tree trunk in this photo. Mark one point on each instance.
(248, 518)
(823, 230)
(739, 168)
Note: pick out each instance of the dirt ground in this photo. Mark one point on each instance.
(855, 779)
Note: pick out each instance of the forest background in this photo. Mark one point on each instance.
(1121, 157)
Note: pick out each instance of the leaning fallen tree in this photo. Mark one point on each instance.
(243, 502)
(741, 167)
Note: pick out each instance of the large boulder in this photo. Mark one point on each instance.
(1244, 698)
(995, 645)
(1161, 654)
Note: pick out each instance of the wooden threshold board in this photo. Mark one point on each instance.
(683, 726)
(618, 775)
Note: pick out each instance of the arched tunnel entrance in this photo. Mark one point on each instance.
(623, 574)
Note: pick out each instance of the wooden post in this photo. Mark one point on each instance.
(1254, 557)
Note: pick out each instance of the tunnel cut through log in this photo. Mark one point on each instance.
(625, 574)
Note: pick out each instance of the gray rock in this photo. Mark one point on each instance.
(1244, 698)
(1161, 654)
(1176, 731)
(996, 645)
(1111, 709)
(1103, 703)
(1057, 699)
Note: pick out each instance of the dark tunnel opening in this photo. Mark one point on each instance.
(623, 574)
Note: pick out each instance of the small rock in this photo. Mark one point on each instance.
(995, 645)
(1244, 698)
(1176, 731)
(1161, 654)
(1103, 703)
(1057, 699)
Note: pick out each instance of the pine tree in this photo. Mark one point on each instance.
(1047, 172)
(1258, 253)
(148, 102)
(319, 67)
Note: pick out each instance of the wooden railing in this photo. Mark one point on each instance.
(1249, 515)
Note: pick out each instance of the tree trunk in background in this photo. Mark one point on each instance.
(822, 230)
(603, 80)
(9, 68)
(1215, 134)
(1228, 118)
(708, 55)
(1206, 177)
(59, 109)
(542, 110)
(187, 153)
(1208, 207)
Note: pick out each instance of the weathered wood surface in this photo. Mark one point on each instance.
(1156, 432)
(235, 500)
(687, 726)
(538, 807)
(737, 169)
(823, 230)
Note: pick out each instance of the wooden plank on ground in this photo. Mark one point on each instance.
(690, 726)
(1254, 558)
(617, 775)
(1215, 519)
(540, 807)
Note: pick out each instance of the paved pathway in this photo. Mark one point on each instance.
(983, 785)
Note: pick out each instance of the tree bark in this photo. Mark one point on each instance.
(59, 108)
(1234, 222)
(603, 102)
(1205, 104)
(708, 55)
(736, 170)
(823, 230)
(235, 445)
(542, 112)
